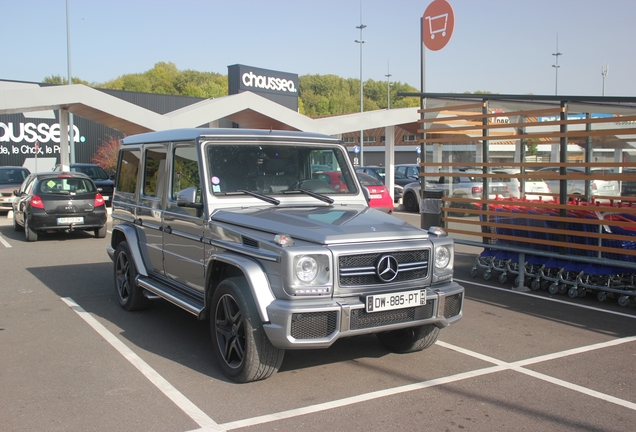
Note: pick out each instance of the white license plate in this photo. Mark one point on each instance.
(383, 302)
(375, 196)
(68, 220)
(106, 198)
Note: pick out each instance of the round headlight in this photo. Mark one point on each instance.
(442, 257)
(306, 268)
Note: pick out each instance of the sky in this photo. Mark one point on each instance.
(499, 46)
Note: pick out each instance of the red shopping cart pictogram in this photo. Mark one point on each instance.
(438, 23)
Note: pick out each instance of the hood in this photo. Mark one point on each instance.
(323, 225)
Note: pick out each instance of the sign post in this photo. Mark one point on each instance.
(437, 25)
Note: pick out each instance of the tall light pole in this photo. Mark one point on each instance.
(556, 67)
(388, 86)
(604, 71)
(361, 41)
(71, 128)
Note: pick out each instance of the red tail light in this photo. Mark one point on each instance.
(99, 200)
(36, 202)
(477, 190)
(593, 186)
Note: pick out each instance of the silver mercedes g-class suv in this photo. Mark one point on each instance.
(230, 225)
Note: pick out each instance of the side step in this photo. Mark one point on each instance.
(174, 296)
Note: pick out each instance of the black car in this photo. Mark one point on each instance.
(57, 201)
(98, 175)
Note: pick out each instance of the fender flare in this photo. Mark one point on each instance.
(256, 280)
(130, 235)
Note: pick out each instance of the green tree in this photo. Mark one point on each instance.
(319, 95)
(59, 79)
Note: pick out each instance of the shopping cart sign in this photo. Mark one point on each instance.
(438, 23)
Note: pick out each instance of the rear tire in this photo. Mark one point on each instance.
(410, 203)
(411, 339)
(100, 232)
(130, 295)
(239, 342)
(30, 234)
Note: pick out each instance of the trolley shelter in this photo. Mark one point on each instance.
(578, 237)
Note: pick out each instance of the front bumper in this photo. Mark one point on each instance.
(318, 324)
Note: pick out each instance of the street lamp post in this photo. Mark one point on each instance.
(388, 88)
(556, 67)
(71, 127)
(361, 41)
(604, 71)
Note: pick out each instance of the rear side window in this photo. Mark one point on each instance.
(154, 171)
(127, 172)
(185, 171)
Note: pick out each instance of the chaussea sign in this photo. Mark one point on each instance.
(279, 87)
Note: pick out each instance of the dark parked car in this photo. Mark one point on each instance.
(11, 177)
(98, 175)
(57, 201)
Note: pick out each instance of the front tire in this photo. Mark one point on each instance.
(129, 294)
(16, 225)
(239, 341)
(411, 339)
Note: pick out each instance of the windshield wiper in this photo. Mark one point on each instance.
(321, 197)
(265, 198)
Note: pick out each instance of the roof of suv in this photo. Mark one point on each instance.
(195, 133)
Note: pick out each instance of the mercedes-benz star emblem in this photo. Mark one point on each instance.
(387, 268)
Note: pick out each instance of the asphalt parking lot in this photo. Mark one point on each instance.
(72, 359)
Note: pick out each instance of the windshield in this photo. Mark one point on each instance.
(273, 169)
(94, 172)
(13, 175)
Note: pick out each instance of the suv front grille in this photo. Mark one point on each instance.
(356, 270)
(360, 319)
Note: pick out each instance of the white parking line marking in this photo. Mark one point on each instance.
(166, 388)
(208, 425)
(517, 366)
(4, 242)
(508, 290)
(574, 351)
(500, 366)
(359, 398)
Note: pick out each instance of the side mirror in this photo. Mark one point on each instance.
(188, 198)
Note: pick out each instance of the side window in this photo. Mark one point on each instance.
(127, 172)
(154, 169)
(185, 171)
(28, 185)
